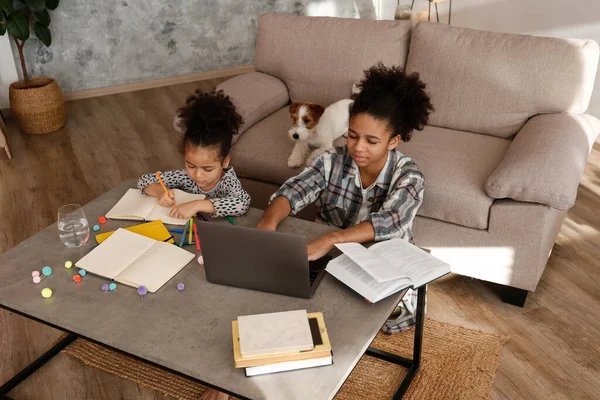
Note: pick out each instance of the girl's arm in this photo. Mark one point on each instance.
(149, 185)
(298, 192)
(361, 233)
(399, 210)
(234, 202)
(172, 180)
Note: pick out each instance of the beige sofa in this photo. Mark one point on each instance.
(504, 151)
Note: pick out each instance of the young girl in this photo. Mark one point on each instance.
(209, 121)
(367, 188)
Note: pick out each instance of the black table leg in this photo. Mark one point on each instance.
(413, 364)
(35, 365)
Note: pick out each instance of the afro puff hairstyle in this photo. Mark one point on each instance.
(209, 120)
(388, 94)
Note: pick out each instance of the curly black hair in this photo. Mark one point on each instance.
(388, 94)
(209, 120)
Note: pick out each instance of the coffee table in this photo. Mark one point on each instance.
(187, 332)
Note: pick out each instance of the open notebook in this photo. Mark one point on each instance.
(135, 260)
(385, 268)
(139, 207)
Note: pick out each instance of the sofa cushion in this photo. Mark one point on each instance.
(262, 151)
(255, 96)
(319, 58)
(456, 166)
(546, 160)
(492, 83)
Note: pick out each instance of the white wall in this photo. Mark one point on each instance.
(8, 70)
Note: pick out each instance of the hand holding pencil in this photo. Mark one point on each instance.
(168, 198)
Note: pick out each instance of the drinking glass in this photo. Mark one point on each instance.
(73, 227)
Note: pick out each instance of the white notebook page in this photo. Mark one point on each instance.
(162, 213)
(115, 253)
(132, 204)
(154, 268)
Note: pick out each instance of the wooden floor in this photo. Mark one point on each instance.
(554, 350)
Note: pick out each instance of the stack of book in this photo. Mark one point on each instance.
(277, 342)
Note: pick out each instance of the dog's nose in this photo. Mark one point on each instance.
(295, 136)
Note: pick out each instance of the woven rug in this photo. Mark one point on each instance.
(457, 363)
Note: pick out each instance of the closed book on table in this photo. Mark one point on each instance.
(289, 366)
(320, 338)
(274, 333)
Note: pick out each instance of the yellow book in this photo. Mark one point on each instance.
(154, 230)
(322, 349)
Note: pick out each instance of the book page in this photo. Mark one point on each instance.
(162, 213)
(406, 259)
(115, 253)
(350, 273)
(380, 270)
(133, 205)
(154, 268)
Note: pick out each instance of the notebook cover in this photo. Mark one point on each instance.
(154, 230)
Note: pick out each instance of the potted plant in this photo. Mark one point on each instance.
(37, 103)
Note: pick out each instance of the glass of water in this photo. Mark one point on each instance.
(73, 227)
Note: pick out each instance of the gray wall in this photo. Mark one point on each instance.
(113, 42)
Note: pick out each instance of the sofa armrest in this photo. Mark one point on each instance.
(545, 161)
(255, 96)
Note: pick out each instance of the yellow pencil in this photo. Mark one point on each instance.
(164, 187)
(190, 232)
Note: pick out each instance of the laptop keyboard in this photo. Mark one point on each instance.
(313, 275)
(316, 266)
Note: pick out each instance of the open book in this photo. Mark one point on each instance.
(139, 207)
(135, 260)
(385, 268)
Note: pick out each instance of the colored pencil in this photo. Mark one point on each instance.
(196, 237)
(190, 231)
(164, 187)
(228, 218)
(176, 230)
(183, 234)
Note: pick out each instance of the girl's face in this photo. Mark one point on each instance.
(369, 140)
(204, 166)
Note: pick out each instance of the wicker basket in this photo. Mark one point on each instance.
(39, 109)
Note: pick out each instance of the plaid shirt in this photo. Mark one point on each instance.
(330, 182)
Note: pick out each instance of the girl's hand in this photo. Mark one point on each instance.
(167, 200)
(320, 247)
(185, 210)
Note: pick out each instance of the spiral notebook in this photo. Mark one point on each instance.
(136, 206)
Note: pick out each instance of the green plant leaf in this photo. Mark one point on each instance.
(18, 5)
(43, 34)
(51, 4)
(6, 6)
(18, 26)
(35, 5)
(2, 23)
(43, 18)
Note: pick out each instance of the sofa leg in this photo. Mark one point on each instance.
(514, 296)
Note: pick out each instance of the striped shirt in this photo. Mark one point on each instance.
(330, 182)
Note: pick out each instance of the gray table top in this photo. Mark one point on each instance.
(187, 331)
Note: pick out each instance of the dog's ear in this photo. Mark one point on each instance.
(316, 110)
(294, 107)
(178, 124)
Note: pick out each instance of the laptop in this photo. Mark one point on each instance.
(250, 258)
